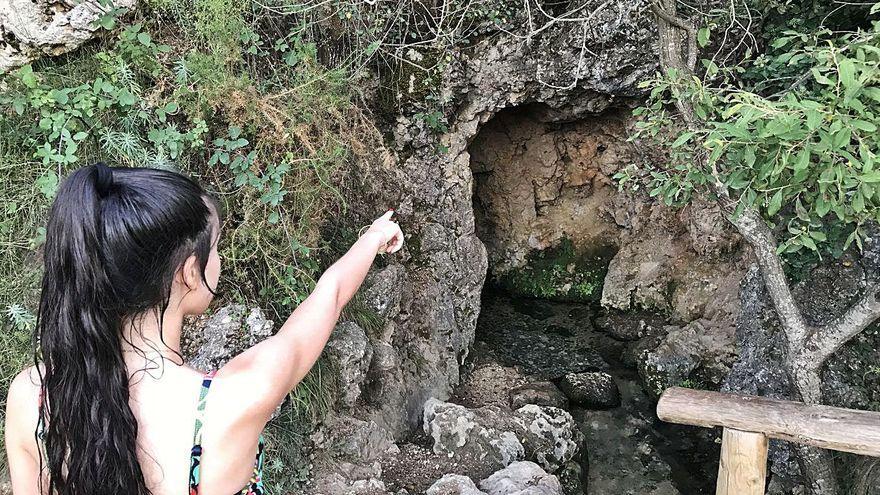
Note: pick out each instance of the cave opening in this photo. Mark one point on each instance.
(543, 199)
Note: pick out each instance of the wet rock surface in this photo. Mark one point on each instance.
(591, 390)
(625, 448)
(546, 346)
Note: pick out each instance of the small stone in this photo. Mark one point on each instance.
(538, 393)
(454, 484)
(522, 478)
(591, 390)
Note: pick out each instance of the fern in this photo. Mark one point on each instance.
(21, 317)
(124, 147)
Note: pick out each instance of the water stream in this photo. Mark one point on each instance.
(629, 451)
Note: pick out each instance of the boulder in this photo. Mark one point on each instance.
(484, 437)
(548, 434)
(521, 478)
(31, 28)
(491, 437)
(595, 390)
(454, 484)
(700, 354)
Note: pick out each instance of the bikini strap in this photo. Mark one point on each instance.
(200, 412)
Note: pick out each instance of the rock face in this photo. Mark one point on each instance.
(521, 478)
(349, 353)
(211, 341)
(539, 182)
(428, 326)
(30, 28)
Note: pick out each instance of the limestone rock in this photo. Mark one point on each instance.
(483, 435)
(548, 434)
(349, 352)
(591, 390)
(30, 28)
(538, 393)
(338, 485)
(382, 290)
(521, 478)
(700, 354)
(495, 437)
(346, 451)
(210, 342)
(573, 478)
(444, 260)
(454, 484)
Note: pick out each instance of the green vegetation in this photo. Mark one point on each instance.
(790, 131)
(778, 125)
(561, 273)
(259, 101)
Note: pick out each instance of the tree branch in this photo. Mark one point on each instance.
(756, 232)
(826, 340)
(666, 12)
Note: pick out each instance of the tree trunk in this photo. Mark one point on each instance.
(817, 465)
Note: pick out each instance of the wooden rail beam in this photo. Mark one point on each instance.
(834, 428)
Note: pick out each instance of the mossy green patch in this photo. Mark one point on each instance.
(561, 273)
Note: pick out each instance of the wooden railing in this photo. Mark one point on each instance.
(749, 422)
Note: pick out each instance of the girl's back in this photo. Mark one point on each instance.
(112, 409)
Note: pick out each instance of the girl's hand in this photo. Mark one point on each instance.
(391, 235)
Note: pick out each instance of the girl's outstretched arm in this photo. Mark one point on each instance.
(272, 368)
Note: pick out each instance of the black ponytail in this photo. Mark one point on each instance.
(114, 240)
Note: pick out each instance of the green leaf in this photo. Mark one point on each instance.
(858, 202)
(27, 76)
(48, 184)
(775, 203)
(107, 21)
(814, 118)
(171, 107)
(703, 37)
(821, 78)
(802, 161)
(807, 242)
(685, 137)
(144, 38)
(125, 98)
(818, 235)
(847, 73)
(863, 125)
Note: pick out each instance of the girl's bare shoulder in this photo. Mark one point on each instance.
(22, 403)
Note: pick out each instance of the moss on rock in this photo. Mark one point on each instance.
(561, 273)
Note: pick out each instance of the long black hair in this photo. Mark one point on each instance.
(115, 239)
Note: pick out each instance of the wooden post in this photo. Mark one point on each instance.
(743, 467)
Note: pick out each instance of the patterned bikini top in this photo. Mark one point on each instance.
(255, 484)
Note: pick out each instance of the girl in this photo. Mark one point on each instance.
(110, 408)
